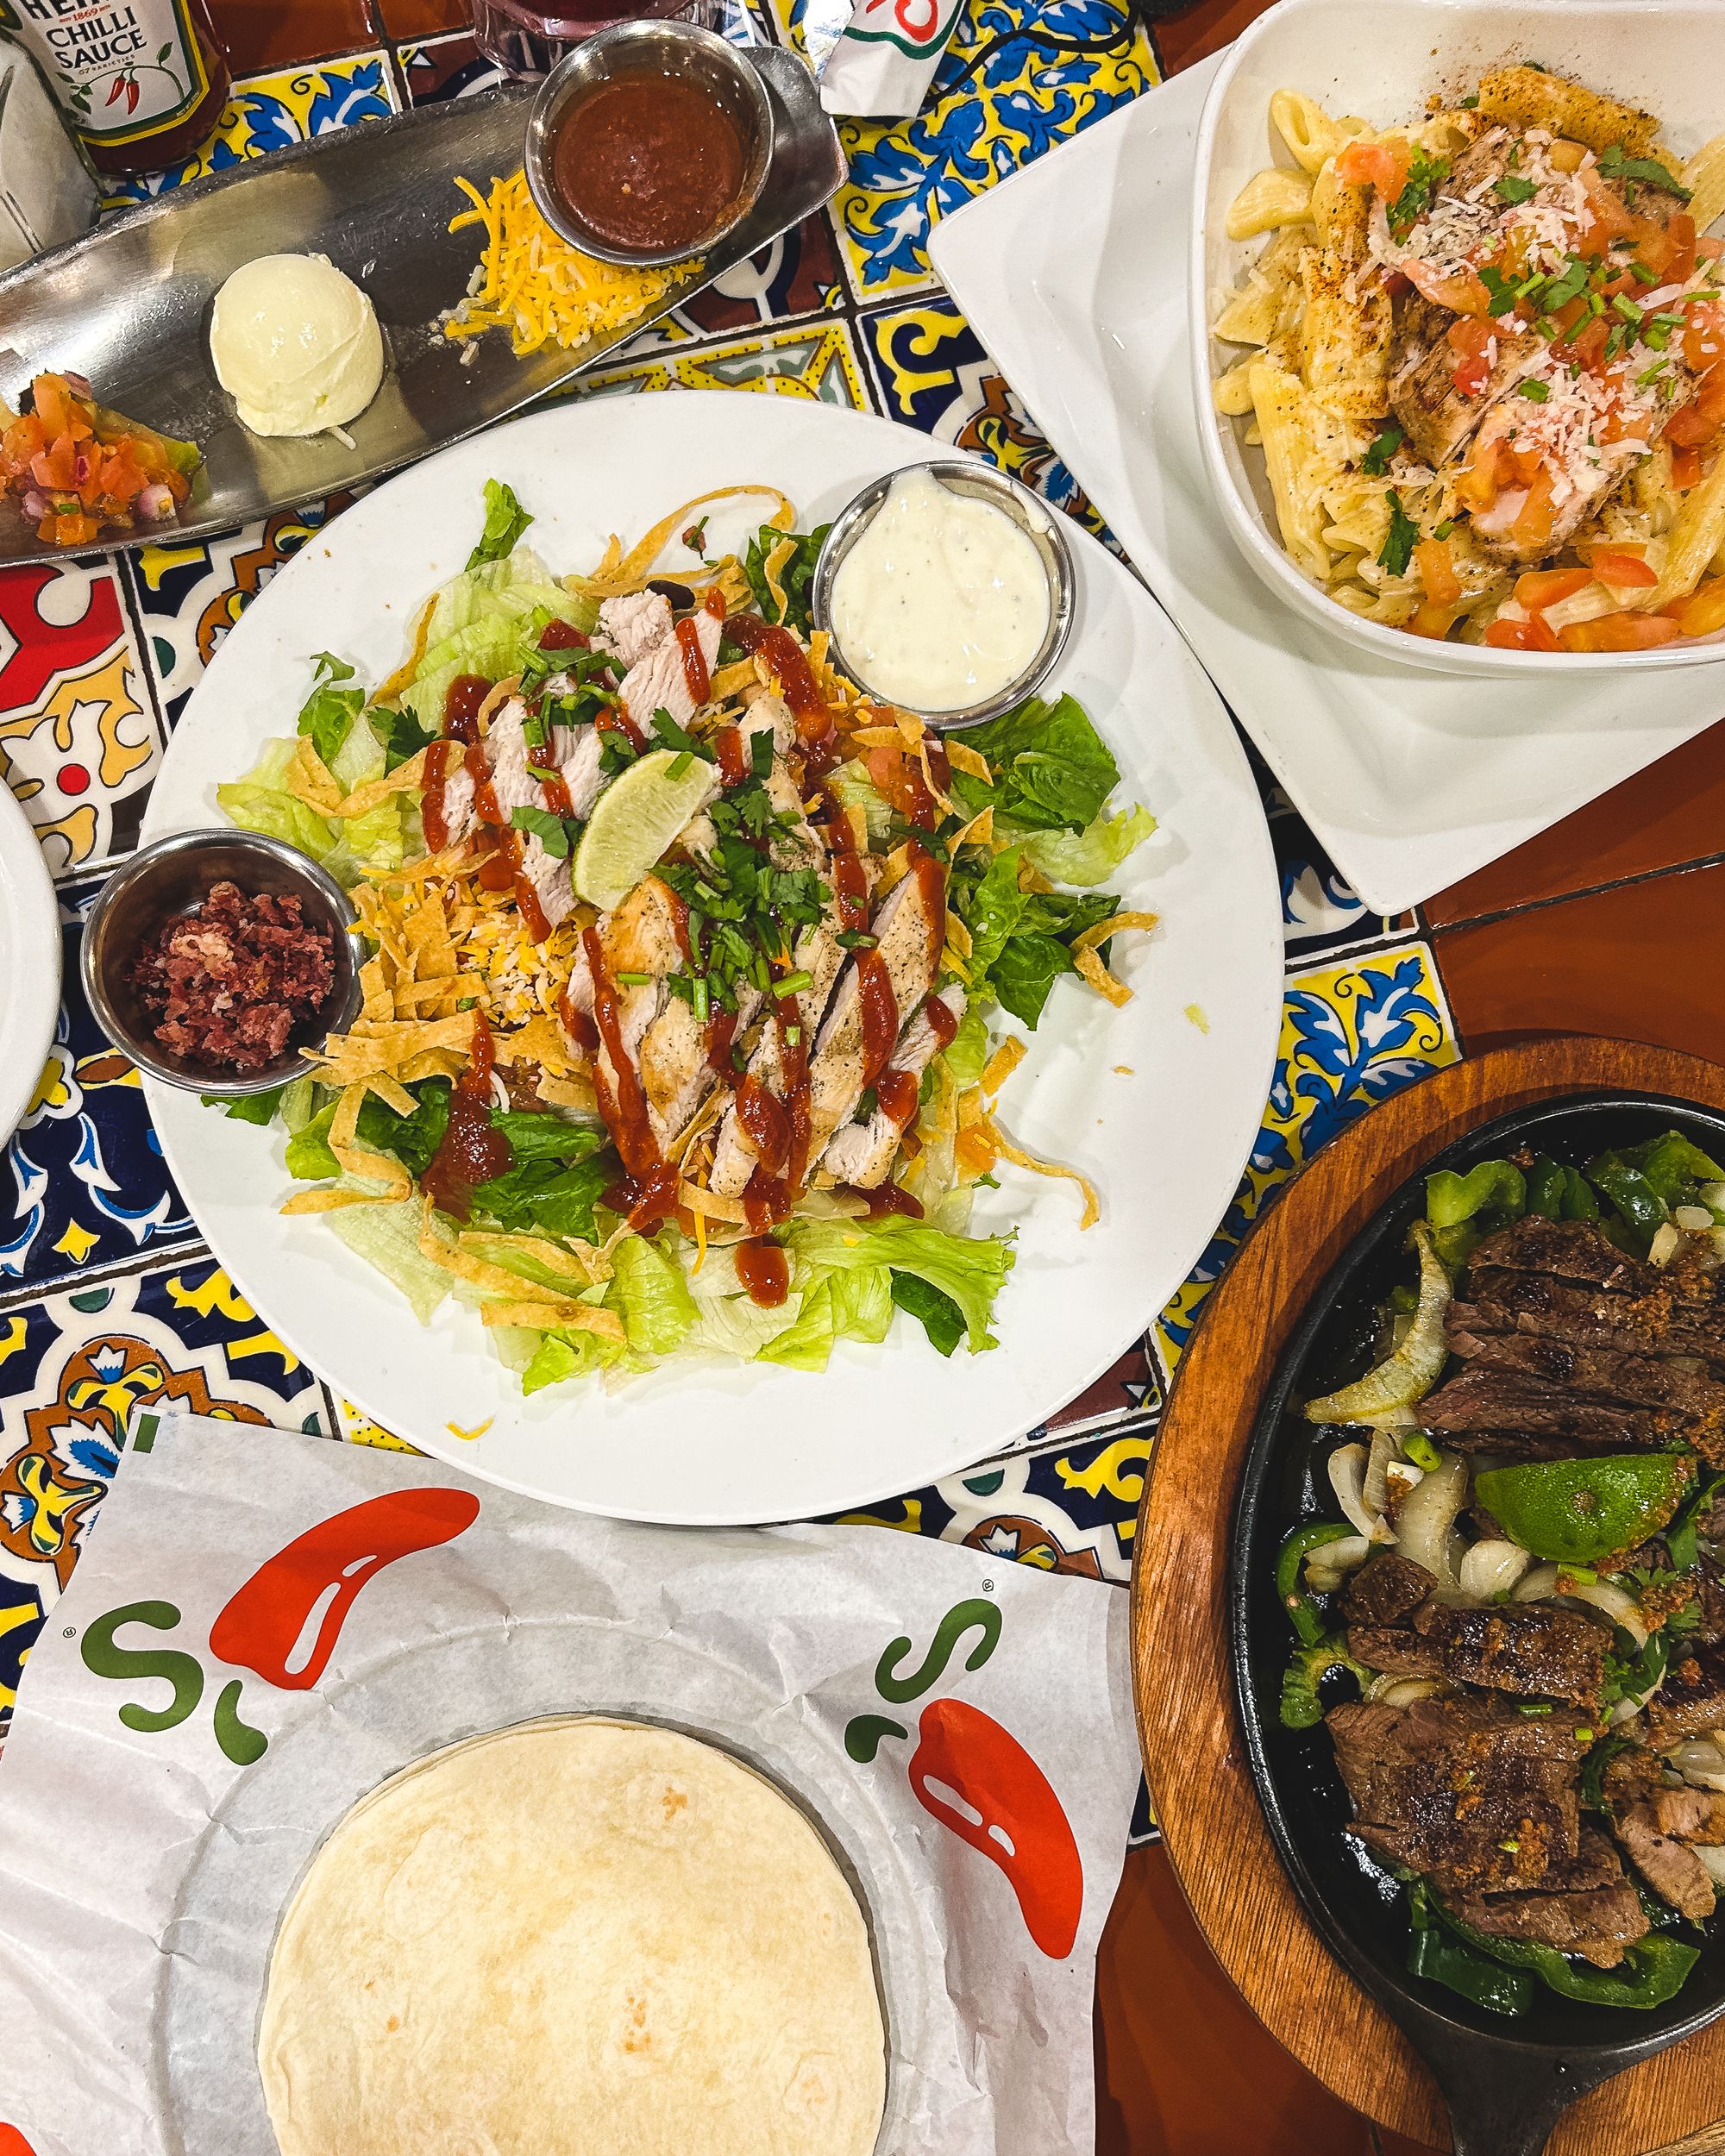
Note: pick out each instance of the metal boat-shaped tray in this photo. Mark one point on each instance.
(128, 306)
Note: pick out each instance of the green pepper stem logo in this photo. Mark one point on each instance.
(974, 1777)
(283, 1624)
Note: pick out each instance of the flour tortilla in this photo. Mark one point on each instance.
(575, 1935)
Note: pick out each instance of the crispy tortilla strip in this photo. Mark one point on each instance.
(877, 737)
(570, 1093)
(1093, 938)
(392, 1094)
(956, 934)
(405, 673)
(731, 680)
(618, 573)
(583, 1261)
(332, 1198)
(310, 779)
(542, 1041)
(1001, 1064)
(970, 760)
(1006, 1149)
(1092, 970)
(554, 1316)
(437, 1062)
(710, 1204)
(346, 1058)
(360, 1160)
(778, 559)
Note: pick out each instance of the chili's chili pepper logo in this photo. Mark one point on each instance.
(283, 1624)
(977, 1779)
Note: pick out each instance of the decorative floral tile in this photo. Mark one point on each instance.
(976, 129)
(72, 1368)
(84, 1183)
(266, 112)
(189, 596)
(817, 361)
(932, 372)
(79, 737)
(1351, 1035)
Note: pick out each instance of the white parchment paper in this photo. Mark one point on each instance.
(144, 1867)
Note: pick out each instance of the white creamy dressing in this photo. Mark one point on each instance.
(942, 601)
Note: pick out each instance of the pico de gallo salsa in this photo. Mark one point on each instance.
(76, 470)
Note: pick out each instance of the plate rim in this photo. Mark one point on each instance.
(30, 1025)
(1257, 859)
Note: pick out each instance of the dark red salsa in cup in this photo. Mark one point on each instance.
(650, 162)
(225, 985)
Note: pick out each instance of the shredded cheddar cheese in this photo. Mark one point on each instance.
(535, 285)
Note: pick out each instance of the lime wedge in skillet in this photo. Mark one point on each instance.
(1575, 1511)
(635, 821)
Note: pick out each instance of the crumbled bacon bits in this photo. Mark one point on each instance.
(227, 983)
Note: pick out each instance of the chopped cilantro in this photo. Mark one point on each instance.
(551, 831)
(1513, 188)
(1420, 190)
(1401, 539)
(1646, 171)
(1376, 462)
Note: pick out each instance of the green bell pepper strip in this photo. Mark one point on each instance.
(1681, 1537)
(1653, 1970)
(1494, 1186)
(1671, 1166)
(1435, 1952)
(1299, 1707)
(1296, 1547)
(1547, 1185)
(1637, 1204)
(1579, 1202)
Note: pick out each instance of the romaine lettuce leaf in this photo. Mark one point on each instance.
(504, 521)
(482, 622)
(968, 1268)
(648, 1291)
(1052, 769)
(1092, 855)
(326, 716)
(851, 1304)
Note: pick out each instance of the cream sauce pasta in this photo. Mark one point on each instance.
(943, 601)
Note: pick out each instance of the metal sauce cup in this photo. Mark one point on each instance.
(682, 51)
(1040, 524)
(171, 877)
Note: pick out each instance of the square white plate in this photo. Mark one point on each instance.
(1072, 274)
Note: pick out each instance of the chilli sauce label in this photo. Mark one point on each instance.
(120, 70)
(283, 1625)
(970, 1772)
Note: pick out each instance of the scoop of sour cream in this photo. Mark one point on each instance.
(942, 601)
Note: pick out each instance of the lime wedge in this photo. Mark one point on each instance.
(1575, 1511)
(634, 822)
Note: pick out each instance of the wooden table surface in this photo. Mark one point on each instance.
(1612, 923)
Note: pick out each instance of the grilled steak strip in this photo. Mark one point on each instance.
(1583, 1906)
(1525, 1648)
(1572, 1250)
(1466, 1789)
(1601, 1374)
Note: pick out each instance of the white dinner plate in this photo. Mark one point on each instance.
(1410, 779)
(30, 962)
(1159, 1108)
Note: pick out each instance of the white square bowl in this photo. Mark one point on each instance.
(1384, 59)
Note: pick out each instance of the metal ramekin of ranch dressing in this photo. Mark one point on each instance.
(942, 599)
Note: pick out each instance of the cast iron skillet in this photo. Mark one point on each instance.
(1505, 2080)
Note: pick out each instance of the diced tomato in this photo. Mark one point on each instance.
(1624, 572)
(1685, 468)
(1680, 238)
(1526, 463)
(1436, 572)
(1703, 418)
(1620, 632)
(1474, 342)
(1480, 483)
(1533, 634)
(93, 469)
(1540, 588)
(1464, 294)
(1609, 215)
(1587, 346)
(1434, 622)
(1703, 613)
(1703, 335)
(1384, 165)
(1532, 529)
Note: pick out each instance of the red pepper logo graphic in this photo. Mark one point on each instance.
(976, 1778)
(12, 2143)
(318, 1576)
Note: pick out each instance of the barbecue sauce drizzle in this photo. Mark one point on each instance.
(472, 1151)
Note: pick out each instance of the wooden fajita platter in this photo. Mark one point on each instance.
(1199, 1778)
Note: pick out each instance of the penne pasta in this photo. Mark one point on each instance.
(1452, 377)
(1275, 197)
